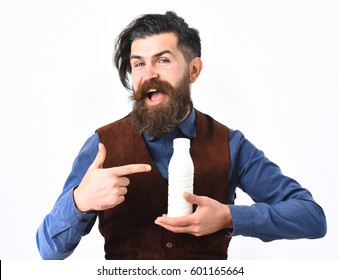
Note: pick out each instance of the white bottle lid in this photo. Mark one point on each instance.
(181, 143)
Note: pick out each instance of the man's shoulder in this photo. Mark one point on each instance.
(115, 124)
(234, 134)
(203, 116)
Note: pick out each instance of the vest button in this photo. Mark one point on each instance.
(169, 245)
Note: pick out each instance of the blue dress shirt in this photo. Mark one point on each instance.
(282, 208)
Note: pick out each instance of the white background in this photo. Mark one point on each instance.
(271, 70)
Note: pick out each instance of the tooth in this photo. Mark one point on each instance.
(152, 90)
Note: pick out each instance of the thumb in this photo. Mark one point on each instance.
(192, 198)
(100, 158)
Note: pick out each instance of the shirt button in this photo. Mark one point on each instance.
(169, 245)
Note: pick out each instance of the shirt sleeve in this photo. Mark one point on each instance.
(63, 228)
(282, 209)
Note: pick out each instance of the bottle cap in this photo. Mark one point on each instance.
(181, 143)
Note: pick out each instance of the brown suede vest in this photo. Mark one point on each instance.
(129, 229)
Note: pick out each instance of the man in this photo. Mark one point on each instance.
(120, 174)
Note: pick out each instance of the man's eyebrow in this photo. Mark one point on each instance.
(155, 55)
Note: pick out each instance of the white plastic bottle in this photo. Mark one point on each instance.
(180, 178)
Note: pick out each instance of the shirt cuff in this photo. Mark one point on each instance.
(70, 213)
(242, 218)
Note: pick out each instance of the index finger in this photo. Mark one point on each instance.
(130, 169)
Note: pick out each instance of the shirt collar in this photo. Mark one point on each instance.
(186, 127)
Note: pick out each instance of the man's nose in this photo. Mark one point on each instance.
(150, 73)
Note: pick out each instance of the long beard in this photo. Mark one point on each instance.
(158, 120)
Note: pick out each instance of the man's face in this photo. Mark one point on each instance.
(161, 84)
(157, 58)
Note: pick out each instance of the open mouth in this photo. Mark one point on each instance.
(155, 96)
(151, 92)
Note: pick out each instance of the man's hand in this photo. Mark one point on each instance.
(209, 217)
(101, 189)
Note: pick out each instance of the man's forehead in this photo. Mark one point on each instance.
(152, 45)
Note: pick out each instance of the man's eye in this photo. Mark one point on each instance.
(138, 64)
(163, 60)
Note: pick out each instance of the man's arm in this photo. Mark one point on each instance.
(88, 189)
(63, 228)
(282, 209)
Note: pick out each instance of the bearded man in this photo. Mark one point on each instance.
(120, 175)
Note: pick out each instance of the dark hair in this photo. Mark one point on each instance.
(152, 24)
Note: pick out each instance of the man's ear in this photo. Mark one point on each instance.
(195, 69)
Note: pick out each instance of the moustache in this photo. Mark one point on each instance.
(149, 87)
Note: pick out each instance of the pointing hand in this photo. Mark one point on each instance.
(104, 188)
